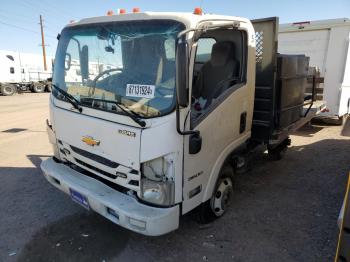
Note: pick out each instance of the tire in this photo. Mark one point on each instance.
(8, 89)
(336, 121)
(277, 154)
(48, 88)
(39, 88)
(220, 200)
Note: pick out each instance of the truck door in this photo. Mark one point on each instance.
(221, 108)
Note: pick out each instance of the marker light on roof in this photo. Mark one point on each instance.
(122, 11)
(110, 12)
(136, 10)
(198, 11)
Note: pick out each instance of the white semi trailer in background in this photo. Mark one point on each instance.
(326, 42)
(23, 72)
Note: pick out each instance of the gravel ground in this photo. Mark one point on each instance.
(282, 211)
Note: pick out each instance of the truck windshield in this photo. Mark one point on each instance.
(131, 63)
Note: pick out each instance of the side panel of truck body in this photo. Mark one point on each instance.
(326, 43)
(344, 103)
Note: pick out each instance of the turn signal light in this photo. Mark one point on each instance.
(136, 10)
(110, 12)
(198, 11)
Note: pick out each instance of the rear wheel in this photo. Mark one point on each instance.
(48, 88)
(278, 152)
(8, 89)
(39, 88)
(221, 198)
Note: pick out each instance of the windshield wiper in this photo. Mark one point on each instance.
(75, 103)
(133, 115)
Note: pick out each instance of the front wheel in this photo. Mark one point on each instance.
(221, 198)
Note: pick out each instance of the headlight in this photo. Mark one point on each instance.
(157, 183)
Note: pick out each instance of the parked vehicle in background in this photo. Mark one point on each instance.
(22, 72)
(326, 42)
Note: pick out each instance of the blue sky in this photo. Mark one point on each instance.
(19, 29)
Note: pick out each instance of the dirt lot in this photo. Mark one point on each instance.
(283, 211)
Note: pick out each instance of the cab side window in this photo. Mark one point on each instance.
(219, 69)
(204, 48)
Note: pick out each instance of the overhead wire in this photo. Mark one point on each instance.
(40, 7)
(25, 29)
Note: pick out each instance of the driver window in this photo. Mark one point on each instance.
(217, 70)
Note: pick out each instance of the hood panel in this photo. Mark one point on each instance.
(119, 143)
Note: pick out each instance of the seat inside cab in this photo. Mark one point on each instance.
(219, 60)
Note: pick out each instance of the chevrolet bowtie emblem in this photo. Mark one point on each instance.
(90, 141)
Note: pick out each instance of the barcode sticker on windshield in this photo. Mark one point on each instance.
(136, 90)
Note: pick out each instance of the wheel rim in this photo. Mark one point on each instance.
(40, 88)
(8, 89)
(222, 197)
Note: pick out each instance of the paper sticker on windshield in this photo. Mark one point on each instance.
(136, 90)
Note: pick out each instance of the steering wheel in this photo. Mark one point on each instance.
(94, 81)
(106, 72)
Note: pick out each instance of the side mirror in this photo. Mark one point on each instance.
(84, 62)
(195, 144)
(67, 62)
(182, 72)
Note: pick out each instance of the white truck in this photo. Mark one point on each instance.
(161, 130)
(327, 43)
(19, 73)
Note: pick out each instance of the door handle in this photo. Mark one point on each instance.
(243, 122)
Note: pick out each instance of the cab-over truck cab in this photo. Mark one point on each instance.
(150, 130)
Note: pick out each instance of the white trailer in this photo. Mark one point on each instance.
(326, 42)
(22, 72)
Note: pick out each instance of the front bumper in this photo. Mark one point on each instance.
(126, 210)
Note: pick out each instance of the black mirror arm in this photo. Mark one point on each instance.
(178, 129)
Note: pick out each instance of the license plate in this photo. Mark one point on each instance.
(79, 198)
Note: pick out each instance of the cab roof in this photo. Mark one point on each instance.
(190, 20)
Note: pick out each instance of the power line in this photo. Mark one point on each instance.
(18, 18)
(58, 7)
(23, 19)
(39, 7)
(24, 29)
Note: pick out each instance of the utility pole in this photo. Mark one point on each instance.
(43, 42)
